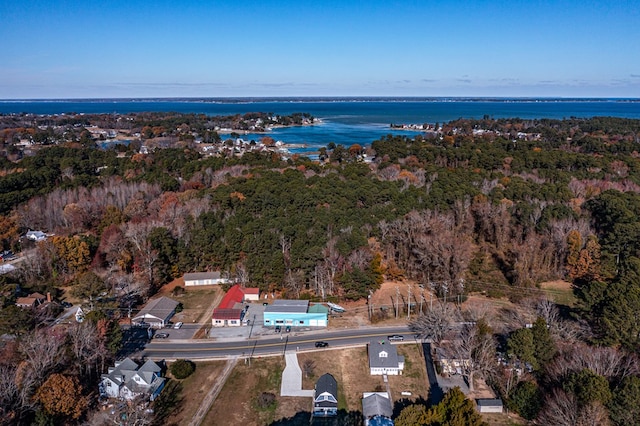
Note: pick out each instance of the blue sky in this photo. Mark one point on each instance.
(190, 48)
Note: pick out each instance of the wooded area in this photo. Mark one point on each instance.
(492, 206)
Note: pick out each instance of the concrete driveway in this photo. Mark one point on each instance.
(292, 377)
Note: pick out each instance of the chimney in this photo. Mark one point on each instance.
(49, 296)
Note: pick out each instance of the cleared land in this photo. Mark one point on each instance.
(239, 404)
(194, 389)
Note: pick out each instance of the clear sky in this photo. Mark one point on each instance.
(192, 48)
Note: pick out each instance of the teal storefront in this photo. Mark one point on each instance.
(295, 313)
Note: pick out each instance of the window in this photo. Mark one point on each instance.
(383, 354)
(301, 322)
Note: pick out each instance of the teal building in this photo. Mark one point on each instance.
(295, 313)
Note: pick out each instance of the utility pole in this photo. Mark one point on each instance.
(397, 301)
(409, 302)
(421, 299)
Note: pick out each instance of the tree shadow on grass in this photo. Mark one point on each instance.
(304, 418)
(168, 404)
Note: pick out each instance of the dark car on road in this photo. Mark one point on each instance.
(395, 338)
(161, 335)
(322, 344)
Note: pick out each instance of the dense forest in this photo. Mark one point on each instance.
(493, 206)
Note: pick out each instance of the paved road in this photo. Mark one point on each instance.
(203, 349)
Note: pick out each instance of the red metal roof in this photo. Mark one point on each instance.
(233, 296)
(226, 314)
(251, 290)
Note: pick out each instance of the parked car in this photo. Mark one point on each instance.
(322, 344)
(278, 329)
(395, 338)
(161, 335)
(287, 329)
(177, 325)
(66, 305)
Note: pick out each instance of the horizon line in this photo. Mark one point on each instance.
(335, 98)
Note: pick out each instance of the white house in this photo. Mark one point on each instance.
(127, 380)
(194, 279)
(36, 236)
(384, 359)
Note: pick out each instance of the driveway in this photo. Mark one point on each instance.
(292, 377)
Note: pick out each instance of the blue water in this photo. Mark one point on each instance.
(346, 122)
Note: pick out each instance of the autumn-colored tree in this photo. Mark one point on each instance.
(72, 254)
(61, 396)
(8, 232)
(586, 267)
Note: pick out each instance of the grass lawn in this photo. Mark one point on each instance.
(238, 402)
(194, 389)
(350, 367)
(560, 292)
(196, 303)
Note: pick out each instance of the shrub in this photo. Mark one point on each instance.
(181, 369)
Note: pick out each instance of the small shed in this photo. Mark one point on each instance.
(157, 312)
(251, 294)
(489, 405)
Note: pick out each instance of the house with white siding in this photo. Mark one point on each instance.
(127, 379)
(384, 359)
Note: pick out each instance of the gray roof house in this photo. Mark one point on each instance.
(127, 380)
(325, 399)
(377, 409)
(384, 359)
(156, 313)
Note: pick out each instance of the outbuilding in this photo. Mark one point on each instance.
(195, 279)
(295, 313)
(489, 405)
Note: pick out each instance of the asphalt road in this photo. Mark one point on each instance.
(203, 349)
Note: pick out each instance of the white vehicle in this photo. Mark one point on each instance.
(177, 325)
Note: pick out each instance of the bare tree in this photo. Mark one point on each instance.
(436, 322)
(43, 351)
(477, 350)
(560, 409)
(84, 343)
(308, 367)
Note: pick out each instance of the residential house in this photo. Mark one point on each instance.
(127, 380)
(36, 235)
(377, 409)
(156, 313)
(384, 359)
(325, 399)
(489, 405)
(195, 279)
(31, 301)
